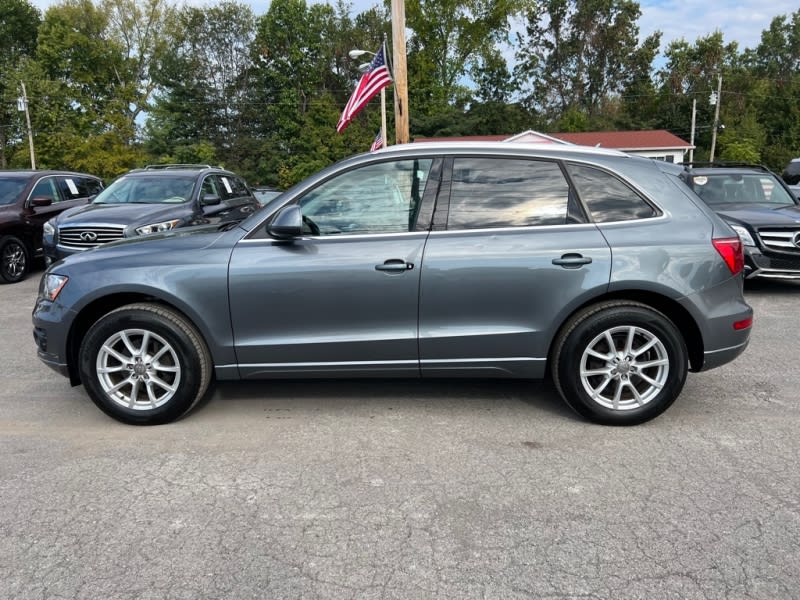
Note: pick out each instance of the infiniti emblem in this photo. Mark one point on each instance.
(796, 239)
(89, 236)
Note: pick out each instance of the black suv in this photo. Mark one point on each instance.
(27, 200)
(791, 174)
(149, 200)
(758, 205)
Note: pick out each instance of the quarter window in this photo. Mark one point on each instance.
(607, 198)
(501, 192)
(378, 198)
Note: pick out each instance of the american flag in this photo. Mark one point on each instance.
(377, 143)
(375, 78)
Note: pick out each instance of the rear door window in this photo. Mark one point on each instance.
(505, 192)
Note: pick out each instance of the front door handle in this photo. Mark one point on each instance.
(395, 265)
(572, 261)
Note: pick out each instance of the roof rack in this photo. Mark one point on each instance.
(725, 164)
(178, 166)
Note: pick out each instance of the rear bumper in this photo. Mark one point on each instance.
(717, 358)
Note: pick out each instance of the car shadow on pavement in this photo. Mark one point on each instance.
(399, 393)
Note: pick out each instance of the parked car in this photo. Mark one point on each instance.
(27, 200)
(791, 174)
(431, 260)
(761, 209)
(144, 201)
(265, 195)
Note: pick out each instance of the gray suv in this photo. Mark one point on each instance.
(600, 269)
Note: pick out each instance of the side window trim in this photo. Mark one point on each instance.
(429, 197)
(443, 202)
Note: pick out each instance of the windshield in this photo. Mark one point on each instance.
(731, 188)
(10, 188)
(156, 189)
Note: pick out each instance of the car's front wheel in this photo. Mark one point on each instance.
(14, 259)
(619, 363)
(144, 364)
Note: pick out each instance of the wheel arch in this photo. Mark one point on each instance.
(683, 320)
(99, 307)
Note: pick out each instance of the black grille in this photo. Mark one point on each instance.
(88, 237)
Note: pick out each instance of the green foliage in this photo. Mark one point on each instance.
(114, 84)
(576, 53)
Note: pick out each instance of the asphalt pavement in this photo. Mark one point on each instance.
(404, 489)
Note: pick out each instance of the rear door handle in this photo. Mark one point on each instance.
(572, 261)
(395, 265)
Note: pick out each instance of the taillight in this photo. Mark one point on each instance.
(732, 252)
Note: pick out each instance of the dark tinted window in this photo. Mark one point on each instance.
(232, 187)
(502, 192)
(73, 187)
(10, 188)
(46, 188)
(607, 198)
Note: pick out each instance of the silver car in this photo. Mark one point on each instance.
(594, 267)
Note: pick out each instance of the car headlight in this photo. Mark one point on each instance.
(743, 234)
(52, 285)
(48, 228)
(156, 227)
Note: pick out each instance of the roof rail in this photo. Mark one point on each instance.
(725, 163)
(178, 166)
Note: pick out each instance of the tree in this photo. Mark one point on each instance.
(200, 104)
(575, 54)
(19, 25)
(775, 62)
(450, 38)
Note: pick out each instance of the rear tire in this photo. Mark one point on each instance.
(144, 364)
(619, 363)
(15, 259)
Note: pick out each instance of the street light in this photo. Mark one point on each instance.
(354, 54)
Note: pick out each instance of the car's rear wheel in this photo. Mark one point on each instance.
(14, 259)
(620, 363)
(144, 364)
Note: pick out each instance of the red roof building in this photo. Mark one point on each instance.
(658, 143)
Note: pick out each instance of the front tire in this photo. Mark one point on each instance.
(144, 364)
(619, 363)
(14, 259)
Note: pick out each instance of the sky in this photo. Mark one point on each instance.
(741, 21)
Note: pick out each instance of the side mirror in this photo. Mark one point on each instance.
(210, 200)
(41, 201)
(287, 224)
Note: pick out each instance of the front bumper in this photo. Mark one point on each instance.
(51, 324)
(770, 266)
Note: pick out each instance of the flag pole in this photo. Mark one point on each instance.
(383, 101)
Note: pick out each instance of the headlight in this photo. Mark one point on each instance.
(155, 227)
(52, 285)
(743, 234)
(48, 228)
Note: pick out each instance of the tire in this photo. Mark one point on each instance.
(635, 382)
(15, 260)
(144, 392)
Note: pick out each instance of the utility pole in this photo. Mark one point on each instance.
(400, 71)
(716, 118)
(384, 139)
(28, 121)
(691, 139)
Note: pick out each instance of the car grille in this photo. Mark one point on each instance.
(782, 240)
(83, 238)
